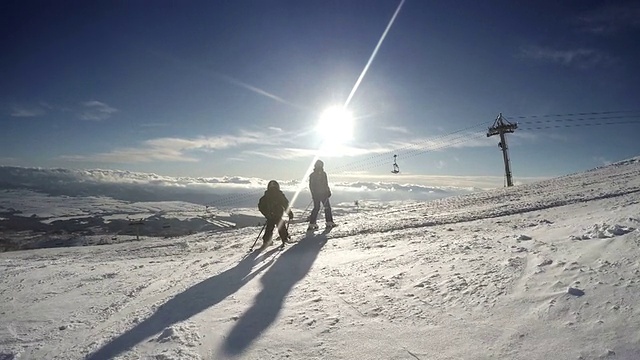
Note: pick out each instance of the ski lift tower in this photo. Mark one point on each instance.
(137, 224)
(500, 127)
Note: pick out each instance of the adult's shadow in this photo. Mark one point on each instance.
(288, 269)
(184, 305)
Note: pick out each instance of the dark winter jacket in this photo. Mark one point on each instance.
(273, 204)
(319, 185)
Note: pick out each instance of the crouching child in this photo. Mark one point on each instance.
(273, 205)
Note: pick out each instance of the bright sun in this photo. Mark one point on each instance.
(335, 125)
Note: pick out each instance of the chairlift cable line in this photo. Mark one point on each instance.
(581, 125)
(581, 119)
(420, 204)
(415, 149)
(416, 205)
(383, 159)
(371, 162)
(463, 139)
(575, 114)
(385, 155)
(418, 151)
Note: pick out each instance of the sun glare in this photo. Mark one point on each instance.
(335, 125)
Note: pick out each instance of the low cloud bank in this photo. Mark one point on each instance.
(229, 191)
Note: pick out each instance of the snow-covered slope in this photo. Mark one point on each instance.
(541, 271)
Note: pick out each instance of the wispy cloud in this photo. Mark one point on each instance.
(398, 129)
(172, 149)
(374, 150)
(89, 110)
(19, 111)
(95, 111)
(203, 143)
(276, 129)
(610, 19)
(581, 57)
(133, 155)
(458, 140)
(280, 154)
(335, 151)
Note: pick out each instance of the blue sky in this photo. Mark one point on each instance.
(215, 88)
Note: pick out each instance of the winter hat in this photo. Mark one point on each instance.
(273, 185)
(319, 164)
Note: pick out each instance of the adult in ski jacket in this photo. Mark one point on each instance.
(273, 205)
(320, 194)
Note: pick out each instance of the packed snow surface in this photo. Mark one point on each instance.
(549, 270)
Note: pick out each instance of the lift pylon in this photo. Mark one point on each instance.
(500, 127)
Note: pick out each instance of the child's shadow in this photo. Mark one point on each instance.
(186, 304)
(288, 269)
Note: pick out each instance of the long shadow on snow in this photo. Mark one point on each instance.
(190, 302)
(288, 269)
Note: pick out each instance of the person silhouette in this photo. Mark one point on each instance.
(320, 194)
(273, 205)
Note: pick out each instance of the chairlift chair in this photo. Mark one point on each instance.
(396, 168)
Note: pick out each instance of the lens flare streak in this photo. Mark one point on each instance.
(353, 91)
(373, 55)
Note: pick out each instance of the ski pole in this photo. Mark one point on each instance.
(305, 212)
(254, 243)
(308, 206)
(288, 234)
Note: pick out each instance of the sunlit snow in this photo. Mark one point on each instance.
(548, 270)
